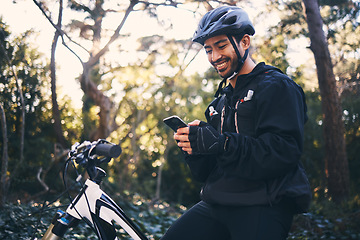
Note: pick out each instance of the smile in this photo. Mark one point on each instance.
(221, 66)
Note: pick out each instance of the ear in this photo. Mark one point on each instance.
(245, 41)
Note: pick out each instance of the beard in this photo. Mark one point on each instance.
(228, 72)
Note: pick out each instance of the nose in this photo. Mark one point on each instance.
(215, 56)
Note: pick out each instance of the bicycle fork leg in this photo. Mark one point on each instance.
(59, 225)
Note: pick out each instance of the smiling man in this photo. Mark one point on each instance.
(248, 152)
(222, 55)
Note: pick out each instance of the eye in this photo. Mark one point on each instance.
(222, 46)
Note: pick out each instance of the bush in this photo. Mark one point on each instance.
(324, 221)
(30, 221)
(328, 221)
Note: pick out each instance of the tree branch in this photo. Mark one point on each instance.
(93, 60)
(61, 32)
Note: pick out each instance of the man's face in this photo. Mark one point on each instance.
(221, 55)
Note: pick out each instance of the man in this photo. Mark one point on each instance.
(247, 154)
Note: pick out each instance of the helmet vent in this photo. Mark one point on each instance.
(215, 19)
(230, 20)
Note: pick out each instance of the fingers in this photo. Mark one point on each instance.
(182, 136)
(187, 149)
(195, 123)
(185, 146)
(181, 131)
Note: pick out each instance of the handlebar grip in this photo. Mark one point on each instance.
(108, 150)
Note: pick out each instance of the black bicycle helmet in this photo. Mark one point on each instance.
(228, 20)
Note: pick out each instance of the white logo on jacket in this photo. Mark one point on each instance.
(212, 111)
(249, 95)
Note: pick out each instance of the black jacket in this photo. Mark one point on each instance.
(263, 118)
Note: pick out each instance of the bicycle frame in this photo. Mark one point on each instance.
(96, 208)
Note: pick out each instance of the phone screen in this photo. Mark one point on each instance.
(174, 122)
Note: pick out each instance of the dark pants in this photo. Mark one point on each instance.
(207, 222)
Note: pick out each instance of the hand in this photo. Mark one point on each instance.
(205, 139)
(182, 137)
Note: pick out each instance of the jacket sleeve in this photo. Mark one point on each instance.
(276, 147)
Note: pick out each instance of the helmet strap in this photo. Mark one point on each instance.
(222, 84)
(241, 61)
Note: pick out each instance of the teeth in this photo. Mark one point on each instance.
(221, 65)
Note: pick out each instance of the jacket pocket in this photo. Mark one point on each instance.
(245, 115)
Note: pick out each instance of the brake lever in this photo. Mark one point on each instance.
(79, 152)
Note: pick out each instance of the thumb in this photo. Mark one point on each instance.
(195, 123)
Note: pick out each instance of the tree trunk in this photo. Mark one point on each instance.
(55, 109)
(5, 158)
(22, 128)
(89, 87)
(336, 163)
(158, 181)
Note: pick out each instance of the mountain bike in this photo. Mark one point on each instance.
(92, 204)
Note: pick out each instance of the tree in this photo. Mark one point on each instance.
(5, 156)
(333, 126)
(5, 159)
(55, 109)
(38, 142)
(19, 89)
(91, 30)
(90, 79)
(343, 27)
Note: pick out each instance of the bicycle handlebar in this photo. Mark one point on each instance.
(107, 150)
(94, 153)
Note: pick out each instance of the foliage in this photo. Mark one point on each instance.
(327, 221)
(30, 69)
(351, 106)
(152, 86)
(313, 144)
(40, 150)
(30, 221)
(324, 221)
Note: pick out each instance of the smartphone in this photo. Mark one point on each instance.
(174, 122)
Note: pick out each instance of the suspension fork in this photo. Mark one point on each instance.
(60, 223)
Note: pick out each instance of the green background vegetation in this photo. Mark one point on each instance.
(144, 98)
